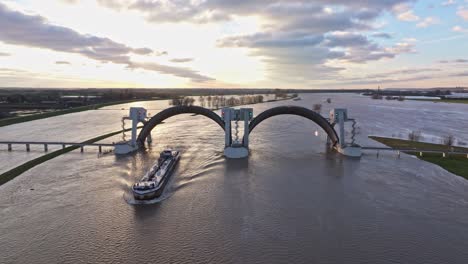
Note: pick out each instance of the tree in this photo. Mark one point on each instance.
(449, 140)
(414, 135)
(317, 108)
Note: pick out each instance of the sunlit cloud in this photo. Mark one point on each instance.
(405, 13)
(428, 21)
(35, 31)
(463, 13)
(223, 43)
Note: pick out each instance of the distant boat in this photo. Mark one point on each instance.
(297, 99)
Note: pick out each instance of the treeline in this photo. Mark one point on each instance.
(379, 94)
(218, 101)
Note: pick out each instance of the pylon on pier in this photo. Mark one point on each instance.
(137, 115)
(238, 147)
(339, 116)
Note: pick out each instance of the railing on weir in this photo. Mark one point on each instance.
(46, 144)
(414, 150)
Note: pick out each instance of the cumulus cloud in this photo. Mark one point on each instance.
(354, 47)
(404, 13)
(382, 35)
(428, 21)
(62, 63)
(271, 40)
(216, 10)
(454, 61)
(297, 36)
(463, 13)
(177, 71)
(4, 54)
(402, 72)
(460, 74)
(449, 2)
(35, 31)
(459, 29)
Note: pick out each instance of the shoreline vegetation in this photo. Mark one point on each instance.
(451, 101)
(218, 102)
(454, 163)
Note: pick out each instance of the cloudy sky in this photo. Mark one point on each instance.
(234, 43)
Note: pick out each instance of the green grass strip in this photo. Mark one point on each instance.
(452, 101)
(22, 119)
(11, 174)
(454, 163)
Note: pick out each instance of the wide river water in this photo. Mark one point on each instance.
(291, 201)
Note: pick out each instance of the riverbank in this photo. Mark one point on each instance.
(22, 119)
(452, 101)
(454, 163)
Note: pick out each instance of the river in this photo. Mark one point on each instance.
(291, 201)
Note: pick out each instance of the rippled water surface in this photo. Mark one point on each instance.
(291, 201)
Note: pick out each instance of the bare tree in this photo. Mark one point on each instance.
(317, 108)
(414, 135)
(201, 99)
(449, 140)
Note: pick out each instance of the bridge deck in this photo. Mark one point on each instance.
(55, 143)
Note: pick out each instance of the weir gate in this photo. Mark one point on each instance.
(235, 146)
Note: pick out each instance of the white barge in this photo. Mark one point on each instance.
(153, 183)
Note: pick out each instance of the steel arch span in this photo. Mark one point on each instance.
(299, 111)
(172, 111)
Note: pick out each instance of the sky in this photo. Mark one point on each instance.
(303, 44)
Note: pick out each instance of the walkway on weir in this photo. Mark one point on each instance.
(416, 150)
(46, 144)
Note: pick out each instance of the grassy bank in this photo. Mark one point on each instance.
(11, 174)
(452, 101)
(454, 163)
(21, 119)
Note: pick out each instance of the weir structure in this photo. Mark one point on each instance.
(137, 115)
(238, 147)
(339, 116)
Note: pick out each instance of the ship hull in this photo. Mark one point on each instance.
(157, 192)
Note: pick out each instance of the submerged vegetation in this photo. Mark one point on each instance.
(454, 163)
(219, 101)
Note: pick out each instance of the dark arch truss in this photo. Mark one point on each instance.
(172, 111)
(299, 111)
